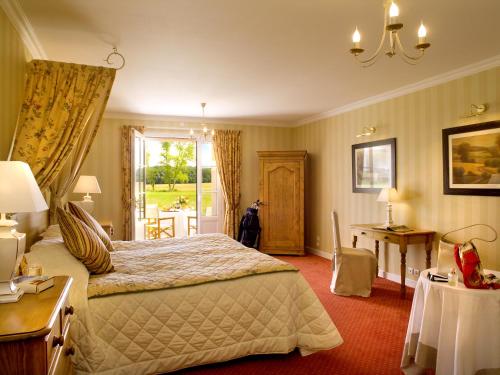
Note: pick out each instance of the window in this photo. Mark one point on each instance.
(209, 181)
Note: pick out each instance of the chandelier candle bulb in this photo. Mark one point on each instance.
(422, 33)
(356, 38)
(393, 12)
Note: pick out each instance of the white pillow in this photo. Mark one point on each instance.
(56, 260)
(53, 231)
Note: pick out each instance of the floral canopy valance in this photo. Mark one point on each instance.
(60, 114)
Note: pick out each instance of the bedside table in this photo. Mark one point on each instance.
(34, 332)
(108, 228)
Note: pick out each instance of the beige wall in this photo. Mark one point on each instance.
(416, 121)
(13, 57)
(104, 161)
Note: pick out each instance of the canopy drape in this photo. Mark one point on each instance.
(227, 151)
(59, 118)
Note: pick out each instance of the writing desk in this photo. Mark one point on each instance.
(402, 239)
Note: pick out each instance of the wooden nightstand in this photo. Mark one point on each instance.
(34, 332)
(108, 228)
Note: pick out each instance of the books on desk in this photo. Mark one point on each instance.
(34, 284)
(9, 298)
(394, 228)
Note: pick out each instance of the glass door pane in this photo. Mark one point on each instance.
(171, 188)
(209, 191)
(138, 185)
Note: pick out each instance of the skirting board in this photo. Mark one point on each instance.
(381, 273)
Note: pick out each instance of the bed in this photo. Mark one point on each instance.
(177, 303)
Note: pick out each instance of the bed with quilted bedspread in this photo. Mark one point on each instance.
(177, 303)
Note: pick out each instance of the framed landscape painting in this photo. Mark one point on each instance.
(374, 166)
(471, 159)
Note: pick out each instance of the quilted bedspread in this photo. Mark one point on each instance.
(162, 330)
(177, 262)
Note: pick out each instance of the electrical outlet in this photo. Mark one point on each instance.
(416, 272)
(317, 241)
(410, 270)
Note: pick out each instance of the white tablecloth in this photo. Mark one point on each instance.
(454, 330)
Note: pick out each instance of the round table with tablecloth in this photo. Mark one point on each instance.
(454, 330)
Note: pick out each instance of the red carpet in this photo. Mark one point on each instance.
(373, 330)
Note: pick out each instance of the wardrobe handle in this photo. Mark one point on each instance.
(58, 340)
(70, 351)
(69, 310)
(364, 233)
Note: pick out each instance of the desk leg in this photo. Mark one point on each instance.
(428, 251)
(354, 240)
(376, 253)
(402, 250)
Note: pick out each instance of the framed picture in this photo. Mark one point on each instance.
(471, 159)
(373, 166)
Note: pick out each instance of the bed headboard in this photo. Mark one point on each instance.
(33, 224)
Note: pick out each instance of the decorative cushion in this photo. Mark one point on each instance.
(84, 243)
(92, 223)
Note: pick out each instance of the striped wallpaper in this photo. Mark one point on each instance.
(416, 120)
(104, 161)
(13, 57)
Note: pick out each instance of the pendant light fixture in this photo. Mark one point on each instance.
(392, 25)
(205, 130)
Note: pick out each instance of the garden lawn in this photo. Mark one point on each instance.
(166, 199)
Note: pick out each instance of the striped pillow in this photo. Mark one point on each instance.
(92, 223)
(84, 244)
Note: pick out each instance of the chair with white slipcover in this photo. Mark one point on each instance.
(354, 270)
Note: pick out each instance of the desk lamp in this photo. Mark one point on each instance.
(388, 195)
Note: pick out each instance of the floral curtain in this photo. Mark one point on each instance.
(227, 152)
(60, 115)
(127, 199)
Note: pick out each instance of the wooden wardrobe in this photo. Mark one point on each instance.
(281, 189)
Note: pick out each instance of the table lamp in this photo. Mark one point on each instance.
(388, 195)
(87, 184)
(19, 192)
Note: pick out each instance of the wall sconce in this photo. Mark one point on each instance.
(366, 131)
(476, 110)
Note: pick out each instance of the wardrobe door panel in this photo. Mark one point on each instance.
(282, 194)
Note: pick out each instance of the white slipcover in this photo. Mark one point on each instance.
(354, 270)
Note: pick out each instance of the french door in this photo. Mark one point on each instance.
(203, 211)
(138, 184)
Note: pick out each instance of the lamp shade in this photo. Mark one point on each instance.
(87, 184)
(19, 191)
(388, 195)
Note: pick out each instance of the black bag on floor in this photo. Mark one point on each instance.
(249, 233)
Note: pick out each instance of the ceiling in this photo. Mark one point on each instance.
(260, 60)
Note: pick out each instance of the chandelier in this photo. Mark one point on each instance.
(391, 27)
(204, 129)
